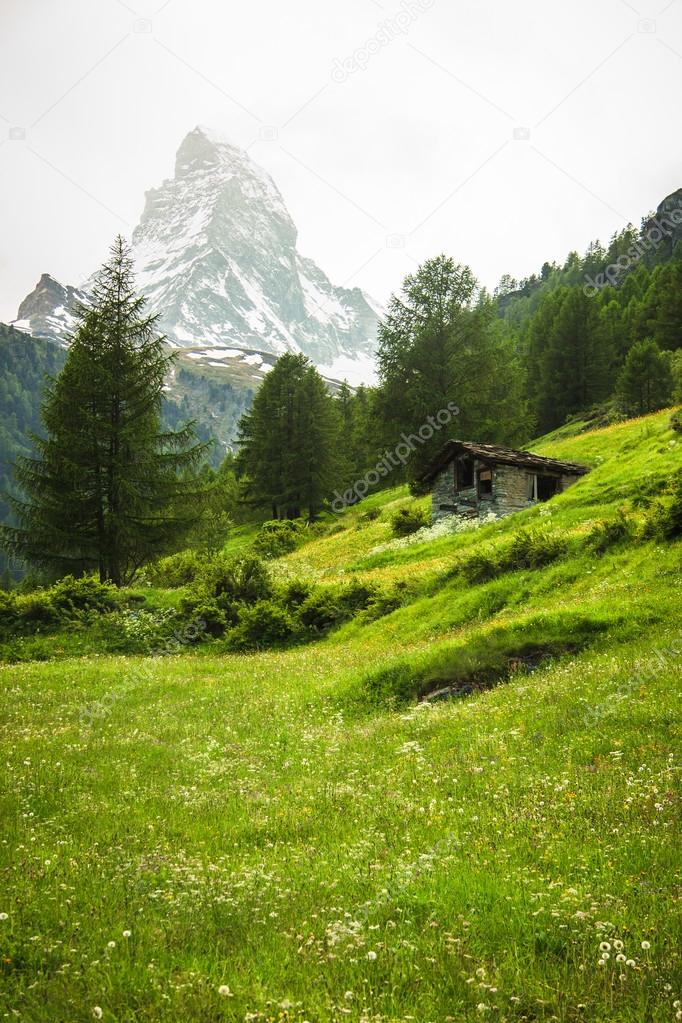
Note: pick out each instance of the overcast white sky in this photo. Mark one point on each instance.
(388, 126)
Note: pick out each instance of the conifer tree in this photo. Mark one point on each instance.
(646, 382)
(290, 442)
(107, 489)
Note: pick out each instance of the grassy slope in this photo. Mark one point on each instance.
(259, 822)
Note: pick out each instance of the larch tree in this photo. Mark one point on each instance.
(107, 489)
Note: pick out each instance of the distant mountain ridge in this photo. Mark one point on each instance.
(216, 255)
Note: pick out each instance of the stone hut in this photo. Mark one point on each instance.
(473, 480)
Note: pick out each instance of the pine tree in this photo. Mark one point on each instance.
(107, 489)
(646, 382)
(290, 442)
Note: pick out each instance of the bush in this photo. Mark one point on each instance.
(676, 421)
(322, 610)
(177, 570)
(408, 520)
(72, 596)
(243, 579)
(263, 625)
(295, 593)
(608, 533)
(664, 519)
(278, 537)
(527, 548)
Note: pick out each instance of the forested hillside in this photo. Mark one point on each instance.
(605, 327)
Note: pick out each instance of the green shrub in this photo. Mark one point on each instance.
(608, 533)
(408, 520)
(244, 579)
(664, 518)
(177, 570)
(264, 624)
(527, 549)
(71, 596)
(278, 537)
(322, 610)
(676, 421)
(214, 618)
(295, 594)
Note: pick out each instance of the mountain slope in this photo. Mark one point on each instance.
(314, 845)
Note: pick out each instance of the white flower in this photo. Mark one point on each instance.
(620, 958)
(4, 916)
(224, 991)
(371, 956)
(111, 944)
(126, 934)
(482, 1007)
(604, 947)
(630, 962)
(646, 945)
(618, 945)
(97, 1012)
(605, 956)
(348, 996)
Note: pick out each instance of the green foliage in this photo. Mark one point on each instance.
(290, 442)
(645, 383)
(70, 600)
(664, 519)
(609, 533)
(242, 578)
(107, 489)
(527, 549)
(278, 537)
(261, 626)
(441, 356)
(176, 570)
(408, 520)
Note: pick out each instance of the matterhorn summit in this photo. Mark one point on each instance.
(216, 255)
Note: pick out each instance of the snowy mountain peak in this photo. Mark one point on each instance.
(216, 255)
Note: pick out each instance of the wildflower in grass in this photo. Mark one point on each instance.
(126, 934)
(4, 916)
(371, 956)
(646, 945)
(630, 962)
(111, 944)
(97, 1011)
(224, 991)
(620, 958)
(604, 947)
(348, 996)
(618, 945)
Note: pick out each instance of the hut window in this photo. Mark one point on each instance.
(464, 478)
(485, 483)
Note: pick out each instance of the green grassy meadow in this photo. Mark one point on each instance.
(294, 835)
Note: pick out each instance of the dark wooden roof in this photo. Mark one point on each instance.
(493, 453)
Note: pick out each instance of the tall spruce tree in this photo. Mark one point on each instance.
(290, 442)
(107, 489)
(646, 382)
